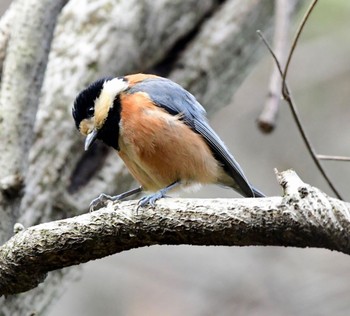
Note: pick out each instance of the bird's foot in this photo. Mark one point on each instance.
(151, 199)
(102, 200)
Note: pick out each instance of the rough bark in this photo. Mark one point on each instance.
(303, 217)
(24, 68)
(5, 30)
(220, 53)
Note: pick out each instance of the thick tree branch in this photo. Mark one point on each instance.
(304, 217)
(222, 57)
(24, 67)
(5, 29)
(23, 72)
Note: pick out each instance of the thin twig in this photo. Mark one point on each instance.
(295, 41)
(336, 158)
(271, 52)
(289, 100)
(308, 142)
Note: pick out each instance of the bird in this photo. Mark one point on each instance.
(162, 134)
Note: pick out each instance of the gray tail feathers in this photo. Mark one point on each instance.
(257, 193)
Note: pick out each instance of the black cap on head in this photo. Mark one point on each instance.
(85, 101)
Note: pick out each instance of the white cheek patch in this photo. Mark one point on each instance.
(104, 102)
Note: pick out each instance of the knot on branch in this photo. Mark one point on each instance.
(320, 213)
(292, 185)
(17, 228)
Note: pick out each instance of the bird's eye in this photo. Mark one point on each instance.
(90, 112)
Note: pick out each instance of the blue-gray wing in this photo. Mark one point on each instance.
(171, 97)
(176, 100)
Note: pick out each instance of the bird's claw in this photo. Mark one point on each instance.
(101, 201)
(151, 199)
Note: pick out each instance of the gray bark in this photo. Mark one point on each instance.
(22, 75)
(303, 217)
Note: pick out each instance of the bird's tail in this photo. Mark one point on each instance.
(258, 193)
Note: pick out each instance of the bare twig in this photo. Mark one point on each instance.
(307, 141)
(337, 158)
(268, 116)
(288, 98)
(295, 41)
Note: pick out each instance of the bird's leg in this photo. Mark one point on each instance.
(152, 198)
(102, 199)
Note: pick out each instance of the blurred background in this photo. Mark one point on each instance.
(184, 280)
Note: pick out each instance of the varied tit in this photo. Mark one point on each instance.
(161, 133)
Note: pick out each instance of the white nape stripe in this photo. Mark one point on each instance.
(105, 101)
(112, 88)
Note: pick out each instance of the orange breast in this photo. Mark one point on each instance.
(159, 149)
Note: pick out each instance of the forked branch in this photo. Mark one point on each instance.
(288, 97)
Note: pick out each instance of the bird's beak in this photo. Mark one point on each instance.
(90, 138)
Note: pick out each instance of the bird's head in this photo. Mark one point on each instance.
(96, 110)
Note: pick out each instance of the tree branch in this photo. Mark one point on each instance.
(283, 14)
(304, 217)
(288, 98)
(5, 29)
(223, 57)
(336, 158)
(295, 42)
(24, 69)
